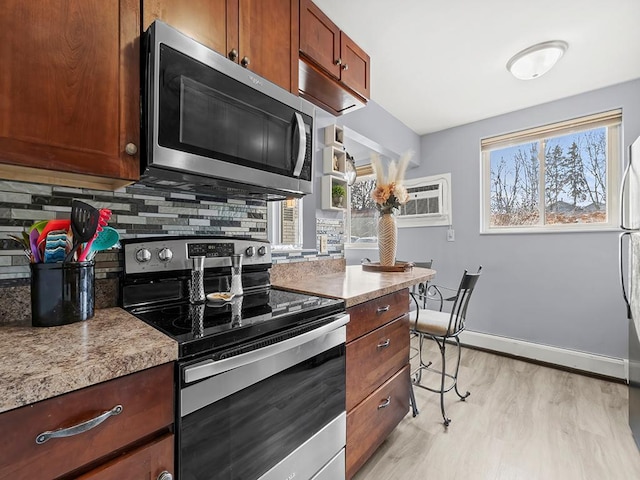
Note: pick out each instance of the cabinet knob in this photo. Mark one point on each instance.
(244, 62)
(131, 149)
(233, 54)
(338, 61)
(345, 66)
(165, 476)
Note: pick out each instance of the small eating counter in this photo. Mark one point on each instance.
(353, 284)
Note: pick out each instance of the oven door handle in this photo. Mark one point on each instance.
(209, 368)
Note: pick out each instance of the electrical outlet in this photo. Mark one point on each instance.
(451, 235)
(323, 244)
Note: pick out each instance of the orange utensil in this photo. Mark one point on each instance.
(62, 224)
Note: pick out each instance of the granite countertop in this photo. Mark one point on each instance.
(40, 363)
(354, 285)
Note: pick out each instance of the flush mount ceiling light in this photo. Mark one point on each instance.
(537, 60)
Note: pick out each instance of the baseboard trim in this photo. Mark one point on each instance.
(599, 365)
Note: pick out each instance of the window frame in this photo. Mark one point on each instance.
(612, 120)
(274, 225)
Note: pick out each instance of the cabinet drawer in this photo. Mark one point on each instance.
(146, 398)
(146, 462)
(373, 358)
(371, 422)
(375, 313)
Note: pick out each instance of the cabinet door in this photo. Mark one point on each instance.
(355, 66)
(319, 38)
(146, 462)
(268, 39)
(375, 418)
(147, 408)
(69, 91)
(202, 20)
(375, 357)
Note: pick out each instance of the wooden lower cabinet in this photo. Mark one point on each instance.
(374, 419)
(147, 462)
(146, 401)
(377, 374)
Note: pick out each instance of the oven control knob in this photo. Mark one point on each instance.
(143, 255)
(250, 251)
(165, 255)
(262, 251)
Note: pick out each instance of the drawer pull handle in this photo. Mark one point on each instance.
(384, 344)
(384, 309)
(385, 404)
(79, 428)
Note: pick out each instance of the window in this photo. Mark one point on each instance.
(558, 177)
(362, 213)
(284, 225)
(429, 205)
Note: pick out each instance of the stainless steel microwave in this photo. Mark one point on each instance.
(214, 127)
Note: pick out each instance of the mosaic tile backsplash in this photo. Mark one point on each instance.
(137, 211)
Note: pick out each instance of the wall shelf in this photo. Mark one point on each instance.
(333, 161)
(328, 182)
(334, 136)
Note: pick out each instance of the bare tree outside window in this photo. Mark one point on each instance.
(573, 178)
(363, 211)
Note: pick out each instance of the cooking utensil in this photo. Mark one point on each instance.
(39, 225)
(33, 241)
(106, 239)
(55, 247)
(105, 215)
(62, 224)
(84, 223)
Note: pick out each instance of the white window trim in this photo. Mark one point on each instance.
(445, 218)
(274, 226)
(614, 165)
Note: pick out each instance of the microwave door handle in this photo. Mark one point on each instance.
(622, 196)
(621, 270)
(302, 148)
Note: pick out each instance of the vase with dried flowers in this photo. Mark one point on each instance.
(388, 195)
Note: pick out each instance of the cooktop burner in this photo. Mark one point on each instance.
(211, 327)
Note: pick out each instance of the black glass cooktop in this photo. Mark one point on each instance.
(215, 327)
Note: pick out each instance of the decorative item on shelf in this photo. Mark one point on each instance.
(337, 194)
(350, 173)
(388, 195)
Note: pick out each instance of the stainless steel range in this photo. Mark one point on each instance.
(261, 376)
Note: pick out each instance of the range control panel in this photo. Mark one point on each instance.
(161, 254)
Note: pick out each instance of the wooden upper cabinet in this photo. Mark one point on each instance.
(261, 35)
(268, 40)
(319, 38)
(70, 92)
(202, 20)
(334, 71)
(355, 66)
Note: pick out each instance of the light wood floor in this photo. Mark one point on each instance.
(522, 421)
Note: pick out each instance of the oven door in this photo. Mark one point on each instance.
(273, 413)
(211, 117)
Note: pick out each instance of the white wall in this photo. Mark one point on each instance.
(557, 289)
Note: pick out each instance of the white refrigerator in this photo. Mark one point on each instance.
(629, 259)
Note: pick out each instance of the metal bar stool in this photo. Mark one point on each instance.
(443, 328)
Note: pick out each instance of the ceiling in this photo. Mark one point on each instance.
(436, 64)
